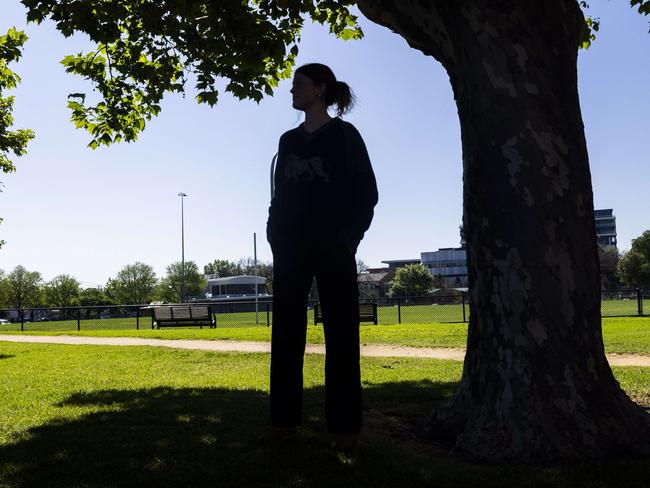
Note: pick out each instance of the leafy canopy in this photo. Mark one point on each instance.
(62, 291)
(147, 48)
(23, 287)
(411, 281)
(221, 268)
(94, 297)
(11, 141)
(634, 266)
(169, 287)
(134, 284)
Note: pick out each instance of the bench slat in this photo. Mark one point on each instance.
(167, 315)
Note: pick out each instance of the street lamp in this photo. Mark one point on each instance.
(182, 195)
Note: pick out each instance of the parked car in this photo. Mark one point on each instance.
(4, 322)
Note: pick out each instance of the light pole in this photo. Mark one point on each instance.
(182, 195)
(257, 307)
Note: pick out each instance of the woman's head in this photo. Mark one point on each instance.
(316, 83)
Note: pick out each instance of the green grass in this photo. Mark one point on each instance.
(421, 313)
(620, 308)
(622, 335)
(627, 335)
(94, 416)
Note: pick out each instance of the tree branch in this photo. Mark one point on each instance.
(422, 23)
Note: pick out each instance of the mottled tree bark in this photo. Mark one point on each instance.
(536, 385)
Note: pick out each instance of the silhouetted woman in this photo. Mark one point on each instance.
(325, 192)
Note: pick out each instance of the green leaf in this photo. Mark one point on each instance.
(11, 141)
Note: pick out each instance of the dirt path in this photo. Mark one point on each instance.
(376, 350)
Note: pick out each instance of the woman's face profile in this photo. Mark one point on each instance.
(305, 92)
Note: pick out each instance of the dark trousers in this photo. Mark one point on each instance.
(334, 266)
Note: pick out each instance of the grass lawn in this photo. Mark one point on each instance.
(621, 308)
(630, 335)
(90, 416)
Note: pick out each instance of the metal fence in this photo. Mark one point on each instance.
(437, 308)
(452, 308)
(449, 308)
(76, 318)
(625, 303)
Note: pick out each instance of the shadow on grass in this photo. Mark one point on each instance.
(166, 437)
(6, 356)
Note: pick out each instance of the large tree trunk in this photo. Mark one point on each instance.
(536, 385)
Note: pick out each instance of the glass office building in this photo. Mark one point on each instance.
(606, 228)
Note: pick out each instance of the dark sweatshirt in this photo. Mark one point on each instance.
(325, 187)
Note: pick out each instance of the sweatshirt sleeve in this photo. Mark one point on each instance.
(278, 187)
(363, 184)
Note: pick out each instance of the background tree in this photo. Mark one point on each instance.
(134, 284)
(361, 267)
(62, 291)
(412, 280)
(439, 282)
(169, 288)
(23, 288)
(513, 69)
(608, 260)
(246, 266)
(4, 290)
(634, 266)
(266, 270)
(93, 297)
(221, 268)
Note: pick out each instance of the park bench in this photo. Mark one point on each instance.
(367, 313)
(181, 315)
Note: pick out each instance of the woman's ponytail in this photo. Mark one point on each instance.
(344, 98)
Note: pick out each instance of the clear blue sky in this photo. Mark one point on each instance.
(69, 209)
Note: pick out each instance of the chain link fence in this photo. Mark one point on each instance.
(115, 317)
(446, 308)
(625, 303)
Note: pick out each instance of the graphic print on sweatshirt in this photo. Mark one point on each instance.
(298, 170)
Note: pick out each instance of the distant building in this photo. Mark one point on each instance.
(375, 282)
(235, 286)
(237, 294)
(606, 228)
(400, 263)
(448, 263)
